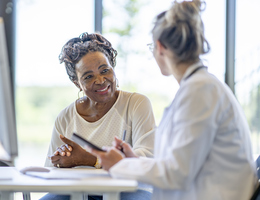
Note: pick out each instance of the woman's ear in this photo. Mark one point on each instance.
(78, 86)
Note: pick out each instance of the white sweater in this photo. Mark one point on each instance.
(131, 112)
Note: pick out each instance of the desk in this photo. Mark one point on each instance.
(96, 184)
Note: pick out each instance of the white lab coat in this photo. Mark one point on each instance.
(202, 146)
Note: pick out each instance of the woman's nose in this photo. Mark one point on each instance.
(100, 80)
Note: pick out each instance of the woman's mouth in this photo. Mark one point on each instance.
(103, 90)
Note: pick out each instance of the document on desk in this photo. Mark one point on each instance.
(68, 173)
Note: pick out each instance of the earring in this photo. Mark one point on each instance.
(81, 100)
(117, 85)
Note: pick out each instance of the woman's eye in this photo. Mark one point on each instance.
(88, 77)
(105, 70)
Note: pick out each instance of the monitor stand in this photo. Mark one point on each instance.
(3, 154)
(3, 164)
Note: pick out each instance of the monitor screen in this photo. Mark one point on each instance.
(8, 135)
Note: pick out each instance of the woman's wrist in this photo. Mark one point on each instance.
(88, 160)
(98, 163)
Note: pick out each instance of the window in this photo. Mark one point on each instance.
(136, 68)
(247, 65)
(43, 87)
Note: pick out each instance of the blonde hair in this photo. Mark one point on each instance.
(182, 31)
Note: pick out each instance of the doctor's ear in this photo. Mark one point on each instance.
(160, 47)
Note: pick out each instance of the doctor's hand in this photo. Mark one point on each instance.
(108, 158)
(124, 147)
(78, 156)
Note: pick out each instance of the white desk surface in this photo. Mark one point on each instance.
(94, 182)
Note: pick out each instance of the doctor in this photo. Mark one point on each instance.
(202, 146)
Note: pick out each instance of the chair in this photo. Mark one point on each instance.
(256, 195)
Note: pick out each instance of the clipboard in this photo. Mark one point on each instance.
(83, 142)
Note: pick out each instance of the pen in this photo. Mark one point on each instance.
(123, 138)
(124, 134)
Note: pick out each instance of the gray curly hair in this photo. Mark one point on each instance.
(78, 47)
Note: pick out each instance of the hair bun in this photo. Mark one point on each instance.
(182, 31)
(170, 17)
(184, 11)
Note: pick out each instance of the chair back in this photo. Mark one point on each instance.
(256, 195)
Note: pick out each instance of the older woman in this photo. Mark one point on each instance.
(104, 112)
(202, 146)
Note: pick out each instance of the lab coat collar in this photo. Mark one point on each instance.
(191, 68)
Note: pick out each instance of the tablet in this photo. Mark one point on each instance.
(83, 142)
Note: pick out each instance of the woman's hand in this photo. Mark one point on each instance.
(108, 158)
(114, 154)
(124, 147)
(63, 150)
(77, 157)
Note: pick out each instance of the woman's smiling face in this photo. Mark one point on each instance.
(96, 77)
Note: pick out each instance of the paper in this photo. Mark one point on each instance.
(68, 173)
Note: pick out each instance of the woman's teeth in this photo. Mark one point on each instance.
(102, 89)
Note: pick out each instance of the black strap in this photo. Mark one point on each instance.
(194, 71)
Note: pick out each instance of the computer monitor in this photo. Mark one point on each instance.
(8, 134)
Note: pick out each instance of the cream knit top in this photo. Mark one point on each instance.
(131, 112)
